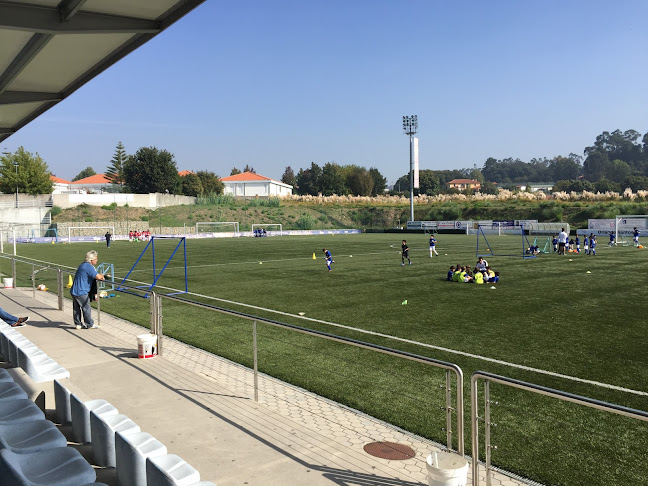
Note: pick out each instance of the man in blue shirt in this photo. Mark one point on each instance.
(80, 291)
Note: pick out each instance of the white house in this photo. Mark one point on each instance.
(249, 184)
(60, 185)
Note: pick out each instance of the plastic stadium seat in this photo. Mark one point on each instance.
(31, 437)
(61, 466)
(62, 413)
(170, 470)
(11, 391)
(5, 377)
(19, 410)
(131, 452)
(4, 340)
(81, 416)
(41, 367)
(14, 341)
(103, 429)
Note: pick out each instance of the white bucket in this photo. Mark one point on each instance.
(8, 283)
(146, 345)
(447, 469)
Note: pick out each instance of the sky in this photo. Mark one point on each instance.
(287, 83)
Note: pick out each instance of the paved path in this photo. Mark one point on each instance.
(202, 408)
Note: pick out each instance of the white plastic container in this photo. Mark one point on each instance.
(447, 469)
(8, 283)
(146, 345)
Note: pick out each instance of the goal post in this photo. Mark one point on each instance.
(98, 236)
(217, 227)
(273, 229)
(625, 225)
(512, 241)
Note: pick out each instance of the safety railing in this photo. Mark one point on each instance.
(448, 367)
(522, 385)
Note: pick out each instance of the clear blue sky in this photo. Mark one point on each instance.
(281, 83)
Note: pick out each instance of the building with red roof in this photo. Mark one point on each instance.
(60, 185)
(97, 183)
(463, 184)
(249, 184)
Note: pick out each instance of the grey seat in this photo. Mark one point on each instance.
(31, 437)
(11, 391)
(103, 429)
(5, 377)
(80, 412)
(131, 452)
(61, 466)
(19, 411)
(170, 470)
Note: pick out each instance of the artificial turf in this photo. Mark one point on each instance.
(576, 315)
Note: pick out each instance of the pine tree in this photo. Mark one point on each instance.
(115, 172)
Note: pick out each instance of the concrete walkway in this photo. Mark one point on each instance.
(202, 408)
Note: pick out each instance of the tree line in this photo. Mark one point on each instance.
(336, 179)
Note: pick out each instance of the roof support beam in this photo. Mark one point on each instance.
(47, 20)
(24, 57)
(6, 130)
(67, 8)
(14, 97)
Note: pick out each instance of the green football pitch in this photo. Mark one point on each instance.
(576, 323)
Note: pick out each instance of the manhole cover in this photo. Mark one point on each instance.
(390, 450)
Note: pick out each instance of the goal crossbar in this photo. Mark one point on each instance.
(70, 228)
(200, 224)
(265, 225)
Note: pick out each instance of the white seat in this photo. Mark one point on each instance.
(80, 412)
(131, 452)
(62, 413)
(61, 466)
(170, 470)
(103, 429)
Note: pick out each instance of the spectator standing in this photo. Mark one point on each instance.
(80, 291)
(562, 241)
(108, 238)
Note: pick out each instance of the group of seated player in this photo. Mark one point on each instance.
(481, 274)
(139, 235)
(260, 232)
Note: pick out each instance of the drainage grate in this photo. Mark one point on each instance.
(389, 450)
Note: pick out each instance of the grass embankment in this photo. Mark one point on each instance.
(303, 215)
(548, 313)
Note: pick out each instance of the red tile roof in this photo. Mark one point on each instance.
(183, 173)
(95, 179)
(58, 180)
(245, 177)
(463, 181)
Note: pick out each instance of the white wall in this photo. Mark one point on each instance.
(256, 188)
(152, 201)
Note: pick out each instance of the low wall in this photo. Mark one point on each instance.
(149, 201)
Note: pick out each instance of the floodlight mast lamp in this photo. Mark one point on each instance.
(410, 126)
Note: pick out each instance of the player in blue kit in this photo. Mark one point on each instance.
(586, 244)
(433, 246)
(612, 238)
(635, 236)
(577, 244)
(592, 245)
(328, 257)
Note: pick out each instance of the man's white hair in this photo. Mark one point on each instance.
(91, 255)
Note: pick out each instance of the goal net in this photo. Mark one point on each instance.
(499, 242)
(88, 233)
(217, 227)
(272, 229)
(630, 228)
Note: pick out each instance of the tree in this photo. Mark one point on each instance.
(191, 185)
(359, 181)
(618, 171)
(115, 171)
(87, 172)
(428, 183)
(211, 183)
(234, 171)
(562, 168)
(151, 170)
(308, 180)
(288, 177)
(249, 168)
(595, 166)
(605, 185)
(33, 175)
(333, 180)
(379, 182)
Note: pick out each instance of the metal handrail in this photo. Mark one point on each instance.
(539, 389)
(353, 342)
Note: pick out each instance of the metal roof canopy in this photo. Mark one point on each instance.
(50, 48)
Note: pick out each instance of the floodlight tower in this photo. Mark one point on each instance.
(410, 126)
